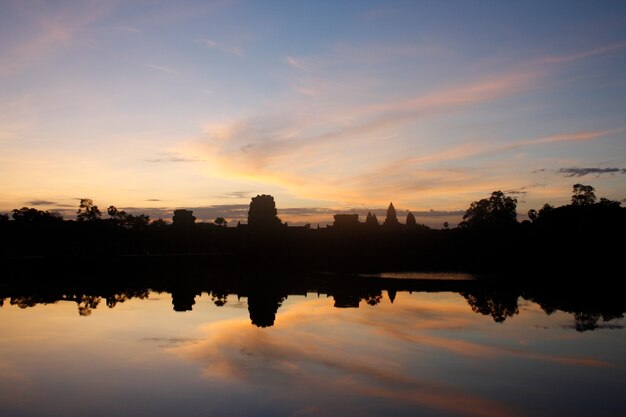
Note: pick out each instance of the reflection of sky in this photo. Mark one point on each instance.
(425, 354)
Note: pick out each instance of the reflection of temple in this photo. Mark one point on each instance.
(344, 300)
(263, 308)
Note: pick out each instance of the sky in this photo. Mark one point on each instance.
(328, 106)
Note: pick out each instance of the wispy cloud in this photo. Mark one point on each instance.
(284, 150)
(297, 63)
(159, 68)
(237, 194)
(581, 172)
(41, 203)
(167, 157)
(213, 44)
(586, 54)
(49, 31)
(129, 29)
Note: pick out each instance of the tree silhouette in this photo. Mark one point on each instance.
(220, 221)
(583, 195)
(87, 211)
(116, 215)
(532, 215)
(392, 218)
(159, 223)
(497, 209)
(138, 222)
(605, 202)
(262, 212)
(410, 219)
(31, 215)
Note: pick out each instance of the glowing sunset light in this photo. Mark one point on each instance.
(329, 107)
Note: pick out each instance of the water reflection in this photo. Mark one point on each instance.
(315, 345)
(590, 309)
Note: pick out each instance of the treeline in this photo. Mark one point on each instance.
(584, 237)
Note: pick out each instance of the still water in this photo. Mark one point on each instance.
(424, 354)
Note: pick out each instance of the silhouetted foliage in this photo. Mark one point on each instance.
(496, 210)
(605, 202)
(116, 215)
(583, 195)
(159, 223)
(220, 221)
(262, 212)
(87, 211)
(532, 215)
(550, 240)
(410, 219)
(4, 218)
(34, 216)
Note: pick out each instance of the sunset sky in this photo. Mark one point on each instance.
(326, 105)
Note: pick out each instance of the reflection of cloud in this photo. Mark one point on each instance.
(313, 351)
(581, 172)
(308, 365)
(166, 342)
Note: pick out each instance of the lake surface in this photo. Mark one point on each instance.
(440, 353)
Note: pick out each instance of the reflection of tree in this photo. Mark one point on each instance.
(374, 299)
(219, 298)
(183, 298)
(585, 320)
(497, 304)
(112, 300)
(87, 303)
